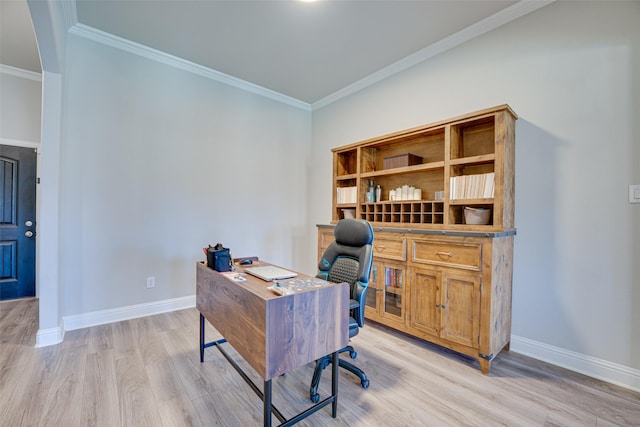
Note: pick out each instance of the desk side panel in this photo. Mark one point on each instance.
(239, 315)
(306, 326)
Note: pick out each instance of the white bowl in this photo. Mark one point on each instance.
(477, 216)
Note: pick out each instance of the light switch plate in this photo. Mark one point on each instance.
(634, 194)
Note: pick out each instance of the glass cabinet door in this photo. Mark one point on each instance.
(374, 285)
(393, 286)
(385, 296)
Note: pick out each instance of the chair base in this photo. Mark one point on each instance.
(323, 362)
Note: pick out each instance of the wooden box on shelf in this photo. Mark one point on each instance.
(401, 160)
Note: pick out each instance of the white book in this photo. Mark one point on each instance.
(488, 187)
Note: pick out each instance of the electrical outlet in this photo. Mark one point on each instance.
(634, 194)
(151, 282)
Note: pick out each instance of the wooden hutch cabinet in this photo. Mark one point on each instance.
(443, 228)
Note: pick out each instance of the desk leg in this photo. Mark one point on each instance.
(267, 403)
(201, 338)
(334, 384)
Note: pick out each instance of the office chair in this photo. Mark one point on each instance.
(347, 259)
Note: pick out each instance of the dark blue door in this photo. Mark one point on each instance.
(17, 222)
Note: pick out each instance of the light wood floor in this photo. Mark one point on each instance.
(146, 372)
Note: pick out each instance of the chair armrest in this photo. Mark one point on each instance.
(360, 295)
(324, 275)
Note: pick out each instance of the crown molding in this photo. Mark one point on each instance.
(19, 72)
(486, 25)
(69, 12)
(108, 39)
(490, 23)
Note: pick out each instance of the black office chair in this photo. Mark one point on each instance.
(347, 259)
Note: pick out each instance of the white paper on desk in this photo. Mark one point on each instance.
(281, 290)
(234, 276)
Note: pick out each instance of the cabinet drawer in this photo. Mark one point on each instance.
(390, 247)
(325, 237)
(458, 255)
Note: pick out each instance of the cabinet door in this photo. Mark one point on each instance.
(460, 307)
(385, 297)
(375, 285)
(425, 300)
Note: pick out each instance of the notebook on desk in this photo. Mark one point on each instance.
(270, 272)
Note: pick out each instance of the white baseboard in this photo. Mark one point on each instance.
(614, 373)
(94, 318)
(50, 336)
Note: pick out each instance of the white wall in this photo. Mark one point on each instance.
(20, 102)
(570, 70)
(156, 163)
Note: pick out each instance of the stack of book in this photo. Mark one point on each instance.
(393, 278)
(347, 195)
(472, 186)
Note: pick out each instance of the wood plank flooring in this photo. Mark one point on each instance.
(146, 372)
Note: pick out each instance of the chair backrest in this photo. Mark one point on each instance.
(348, 259)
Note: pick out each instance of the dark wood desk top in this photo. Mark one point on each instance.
(273, 333)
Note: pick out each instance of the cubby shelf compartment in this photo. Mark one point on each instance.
(346, 163)
(404, 212)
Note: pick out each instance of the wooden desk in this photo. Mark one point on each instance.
(274, 334)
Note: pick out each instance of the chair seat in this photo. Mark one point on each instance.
(353, 327)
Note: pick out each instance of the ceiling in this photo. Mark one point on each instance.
(18, 46)
(306, 51)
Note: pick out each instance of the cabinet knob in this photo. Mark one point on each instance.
(444, 306)
(437, 305)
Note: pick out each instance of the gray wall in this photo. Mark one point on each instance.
(20, 103)
(156, 163)
(570, 71)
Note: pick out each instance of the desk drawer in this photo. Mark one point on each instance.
(390, 246)
(458, 255)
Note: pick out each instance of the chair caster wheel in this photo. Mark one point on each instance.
(365, 384)
(353, 354)
(315, 398)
